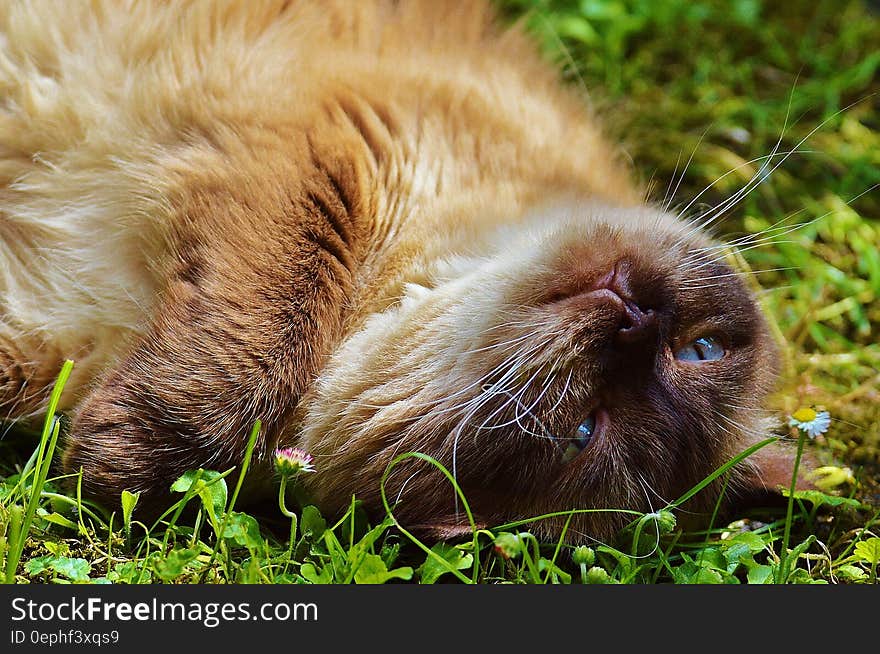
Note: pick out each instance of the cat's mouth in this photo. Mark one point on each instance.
(590, 430)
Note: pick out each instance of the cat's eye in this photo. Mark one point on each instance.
(705, 348)
(581, 438)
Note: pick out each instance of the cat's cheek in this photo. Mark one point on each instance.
(770, 470)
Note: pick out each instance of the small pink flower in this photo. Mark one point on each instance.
(292, 460)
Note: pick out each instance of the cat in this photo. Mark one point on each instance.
(377, 227)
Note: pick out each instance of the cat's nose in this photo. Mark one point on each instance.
(626, 297)
(638, 321)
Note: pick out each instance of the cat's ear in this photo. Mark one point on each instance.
(769, 470)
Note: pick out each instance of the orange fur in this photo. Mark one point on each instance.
(312, 213)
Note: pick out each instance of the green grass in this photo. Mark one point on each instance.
(714, 85)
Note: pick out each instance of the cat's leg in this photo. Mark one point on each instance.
(24, 377)
(29, 366)
(237, 335)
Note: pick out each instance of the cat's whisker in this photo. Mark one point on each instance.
(781, 224)
(669, 196)
(771, 234)
(565, 389)
(656, 545)
(644, 486)
(475, 405)
(693, 225)
(666, 501)
(720, 252)
(439, 401)
(719, 210)
(741, 428)
(693, 284)
(513, 398)
(865, 192)
(524, 320)
(764, 236)
(727, 174)
(723, 256)
(517, 419)
(647, 487)
(743, 192)
(562, 394)
(551, 378)
(403, 487)
(453, 409)
(504, 344)
(527, 411)
(738, 273)
(781, 229)
(442, 400)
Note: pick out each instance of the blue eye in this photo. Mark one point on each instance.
(586, 428)
(582, 437)
(706, 348)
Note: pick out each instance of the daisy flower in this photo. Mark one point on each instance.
(292, 460)
(810, 421)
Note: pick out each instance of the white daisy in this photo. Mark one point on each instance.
(810, 421)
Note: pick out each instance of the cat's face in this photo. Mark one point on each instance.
(589, 358)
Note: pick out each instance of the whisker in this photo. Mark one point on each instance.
(750, 186)
(692, 223)
(696, 283)
(686, 166)
(510, 360)
(765, 235)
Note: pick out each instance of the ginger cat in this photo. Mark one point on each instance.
(379, 227)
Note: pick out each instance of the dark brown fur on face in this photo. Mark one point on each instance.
(385, 229)
(592, 326)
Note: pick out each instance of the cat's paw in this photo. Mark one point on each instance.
(116, 447)
(769, 471)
